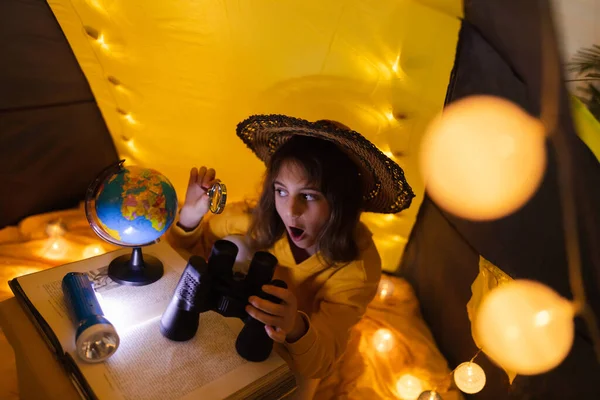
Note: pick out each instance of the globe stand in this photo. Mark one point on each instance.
(135, 269)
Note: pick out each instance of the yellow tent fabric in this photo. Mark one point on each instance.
(489, 278)
(172, 79)
(588, 127)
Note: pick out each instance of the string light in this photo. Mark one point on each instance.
(114, 80)
(91, 32)
(388, 217)
(483, 157)
(380, 220)
(56, 249)
(525, 326)
(398, 238)
(127, 116)
(102, 42)
(55, 228)
(409, 387)
(385, 289)
(551, 87)
(383, 340)
(97, 5)
(430, 395)
(396, 64)
(469, 377)
(131, 145)
(97, 36)
(385, 149)
(92, 250)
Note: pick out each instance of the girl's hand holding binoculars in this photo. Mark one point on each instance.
(197, 202)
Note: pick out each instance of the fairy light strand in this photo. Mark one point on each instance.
(449, 376)
(550, 91)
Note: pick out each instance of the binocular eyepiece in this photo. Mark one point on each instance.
(211, 286)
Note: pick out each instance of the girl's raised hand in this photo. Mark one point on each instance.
(282, 321)
(197, 202)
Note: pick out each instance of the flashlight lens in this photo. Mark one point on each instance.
(97, 343)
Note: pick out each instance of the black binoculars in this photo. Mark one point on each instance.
(211, 286)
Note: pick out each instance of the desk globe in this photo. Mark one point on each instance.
(131, 206)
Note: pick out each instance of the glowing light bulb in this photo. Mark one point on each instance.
(430, 395)
(409, 387)
(56, 249)
(385, 289)
(56, 228)
(483, 158)
(131, 145)
(525, 327)
(385, 149)
(388, 217)
(102, 42)
(383, 340)
(92, 250)
(469, 377)
(126, 116)
(129, 118)
(396, 64)
(97, 5)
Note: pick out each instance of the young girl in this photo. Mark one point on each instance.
(320, 176)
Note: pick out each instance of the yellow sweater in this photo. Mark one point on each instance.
(333, 299)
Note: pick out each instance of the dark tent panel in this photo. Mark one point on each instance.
(499, 54)
(53, 139)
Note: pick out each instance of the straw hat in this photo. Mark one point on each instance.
(385, 189)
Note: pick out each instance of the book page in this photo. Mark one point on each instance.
(173, 369)
(146, 365)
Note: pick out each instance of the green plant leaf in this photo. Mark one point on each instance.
(586, 60)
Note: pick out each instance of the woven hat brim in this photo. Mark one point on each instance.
(385, 189)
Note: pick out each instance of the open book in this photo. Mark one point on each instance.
(147, 365)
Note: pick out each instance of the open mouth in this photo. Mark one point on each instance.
(296, 233)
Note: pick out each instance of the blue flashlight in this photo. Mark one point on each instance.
(96, 338)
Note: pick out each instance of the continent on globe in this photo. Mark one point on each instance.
(135, 206)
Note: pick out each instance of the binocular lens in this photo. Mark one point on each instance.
(222, 257)
(261, 269)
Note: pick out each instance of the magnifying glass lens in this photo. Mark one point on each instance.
(218, 197)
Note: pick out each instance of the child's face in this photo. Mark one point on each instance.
(302, 207)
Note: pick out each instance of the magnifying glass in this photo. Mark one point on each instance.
(217, 195)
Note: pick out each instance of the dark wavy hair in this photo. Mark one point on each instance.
(336, 175)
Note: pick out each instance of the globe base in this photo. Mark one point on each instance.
(135, 269)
